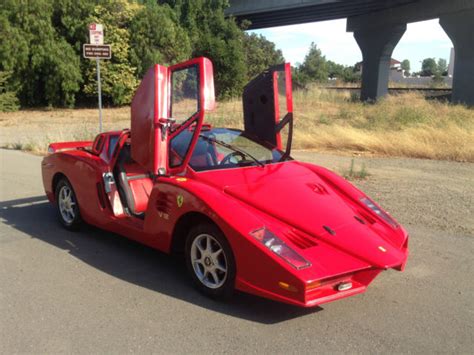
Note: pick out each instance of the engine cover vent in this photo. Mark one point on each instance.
(300, 239)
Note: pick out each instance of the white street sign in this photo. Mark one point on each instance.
(93, 51)
(96, 34)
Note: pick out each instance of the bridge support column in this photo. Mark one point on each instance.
(460, 28)
(377, 45)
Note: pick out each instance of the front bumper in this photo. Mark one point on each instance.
(315, 293)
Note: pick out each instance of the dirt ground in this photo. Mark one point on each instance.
(41, 127)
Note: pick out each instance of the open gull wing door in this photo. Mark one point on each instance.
(168, 101)
(268, 107)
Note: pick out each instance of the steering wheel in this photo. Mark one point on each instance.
(228, 158)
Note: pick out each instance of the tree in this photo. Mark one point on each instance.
(8, 99)
(429, 67)
(217, 37)
(335, 71)
(45, 67)
(260, 54)
(167, 43)
(41, 47)
(351, 75)
(14, 53)
(298, 79)
(314, 67)
(347, 74)
(406, 66)
(70, 19)
(442, 67)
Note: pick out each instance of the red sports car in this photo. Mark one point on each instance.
(246, 215)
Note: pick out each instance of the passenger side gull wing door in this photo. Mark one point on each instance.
(268, 107)
(168, 101)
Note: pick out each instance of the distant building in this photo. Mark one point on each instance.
(451, 64)
(398, 75)
(395, 64)
(396, 71)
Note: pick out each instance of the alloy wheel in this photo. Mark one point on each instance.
(67, 204)
(209, 261)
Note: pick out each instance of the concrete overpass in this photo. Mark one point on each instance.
(378, 26)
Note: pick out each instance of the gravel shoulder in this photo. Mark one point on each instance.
(432, 193)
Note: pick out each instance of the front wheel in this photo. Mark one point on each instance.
(67, 206)
(210, 261)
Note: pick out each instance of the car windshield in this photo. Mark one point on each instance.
(222, 148)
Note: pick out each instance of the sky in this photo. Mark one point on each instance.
(421, 40)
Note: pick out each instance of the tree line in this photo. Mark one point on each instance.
(429, 67)
(41, 60)
(317, 69)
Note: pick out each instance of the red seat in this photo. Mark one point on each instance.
(134, 181)
(141, 189)
(140, 184)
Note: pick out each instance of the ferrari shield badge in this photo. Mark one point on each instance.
(179, 200)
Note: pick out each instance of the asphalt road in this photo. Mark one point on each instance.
(95, 292)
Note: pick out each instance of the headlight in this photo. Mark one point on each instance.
(378, 211)
(279, 247)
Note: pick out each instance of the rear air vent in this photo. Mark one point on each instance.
(163, 203)
(300, 239)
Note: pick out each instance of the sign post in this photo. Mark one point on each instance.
(97, 50)
(99, 93)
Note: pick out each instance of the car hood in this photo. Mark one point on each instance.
(295, 195)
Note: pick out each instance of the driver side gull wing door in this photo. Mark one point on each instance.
(168, 101)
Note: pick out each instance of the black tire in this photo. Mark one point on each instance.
(219, 291)
(72, 220)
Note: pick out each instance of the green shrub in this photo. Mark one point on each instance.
(8, 100)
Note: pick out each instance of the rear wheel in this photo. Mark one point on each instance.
(67, 206)
(210, 261)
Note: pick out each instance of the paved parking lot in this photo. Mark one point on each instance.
(93, 291)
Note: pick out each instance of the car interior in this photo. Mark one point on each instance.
(204, 153)
(134, 183)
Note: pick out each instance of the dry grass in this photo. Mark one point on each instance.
(403, 125)
(400, 125)
(33, 130)
(325, 120)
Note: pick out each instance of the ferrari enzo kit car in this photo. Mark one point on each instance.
(246, 215)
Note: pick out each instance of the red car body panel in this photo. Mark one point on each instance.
(317, 213)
